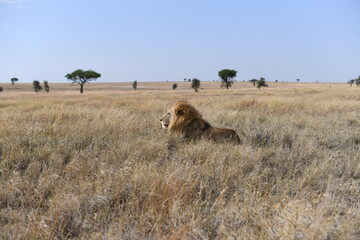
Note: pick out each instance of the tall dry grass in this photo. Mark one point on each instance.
(96, 166)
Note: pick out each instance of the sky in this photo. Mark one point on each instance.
(160, 40)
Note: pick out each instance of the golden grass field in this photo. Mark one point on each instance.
(96, 165)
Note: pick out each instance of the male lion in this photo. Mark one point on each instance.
(185, 119)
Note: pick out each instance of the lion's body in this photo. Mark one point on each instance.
(185, 119)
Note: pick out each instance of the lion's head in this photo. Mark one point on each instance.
(182, 114)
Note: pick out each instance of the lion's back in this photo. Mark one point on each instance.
(196, 128)
(223, 134)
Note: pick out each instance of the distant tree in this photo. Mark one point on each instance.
(253, 81)
(134, 85)
(298, 80)
(261, 83)
(36, 86)
(81, 77)
(351, 82)
(46, 86)
(357, 81)
(13, 80)
(195, 84)
(227, 76)
(1, 89)
(276, 80)
(174, 86)
(189, 80)
(184, 79)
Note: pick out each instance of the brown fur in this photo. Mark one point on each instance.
(185, 119)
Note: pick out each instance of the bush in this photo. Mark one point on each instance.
(36, 85)
(46, 86)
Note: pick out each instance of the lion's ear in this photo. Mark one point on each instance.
(179, 112)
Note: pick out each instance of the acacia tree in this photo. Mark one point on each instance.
(261, 83)
(195, 84)
(134, 85)
(36, 86)
(351, 82)
(253, 81)
(13, 80)
(357, 81)
(81, 77)
(174, 86)
(227, 76)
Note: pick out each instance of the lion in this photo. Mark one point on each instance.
(186, 120)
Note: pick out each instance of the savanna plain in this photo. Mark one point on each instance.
(96, 165)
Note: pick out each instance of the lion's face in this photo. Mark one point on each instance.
(181, 115)
(165, 120)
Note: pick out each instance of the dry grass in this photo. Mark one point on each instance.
(95, 166)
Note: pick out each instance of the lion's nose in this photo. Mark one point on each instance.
(160, 119)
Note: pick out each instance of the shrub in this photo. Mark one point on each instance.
(46, 86)
(36, 85)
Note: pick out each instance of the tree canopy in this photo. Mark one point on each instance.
(357, 81)
(13, 80)
(351, 82)
(46, 86)
(261, 83)
(81, 77)
(134, 85)
(36, 85)
(227, 76)
(253, 81)
(195, 84)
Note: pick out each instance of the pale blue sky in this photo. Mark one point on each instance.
(159, 40)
